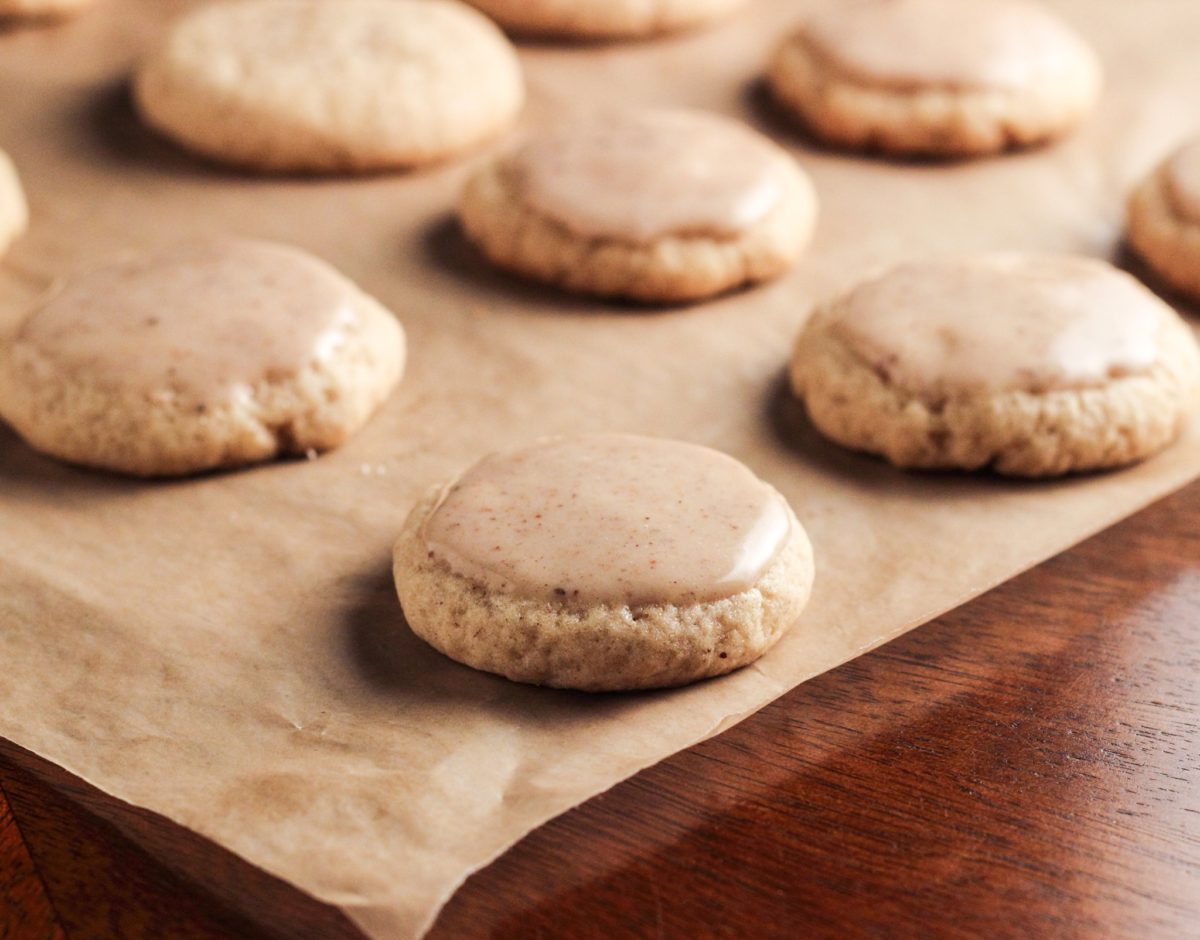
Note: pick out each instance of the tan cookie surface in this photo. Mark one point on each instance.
(651, 205)
(1164, 220)
(1030, 365)
(604, 562)
(312, 85)
(604, 19)
(935, 77)
(217, 353)
(14, 211)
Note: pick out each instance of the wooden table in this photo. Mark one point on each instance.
(1028, 765)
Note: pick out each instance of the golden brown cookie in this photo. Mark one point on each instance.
(1030, 365)
(935, 77)
(659, 206)
(314, 86)
(214, 354)
(1164, 220)
(604, 562)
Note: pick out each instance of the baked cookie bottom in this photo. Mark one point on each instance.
(849, 113)
(602, 647)
(670, 269)
(1016, 433)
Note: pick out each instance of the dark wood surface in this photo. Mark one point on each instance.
(1026, 766)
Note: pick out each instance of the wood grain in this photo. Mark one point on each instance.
(1028, 765)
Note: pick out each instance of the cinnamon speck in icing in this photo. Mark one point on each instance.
(956, 43)
(203, 322)
(610, 518)
(1002, 323)
(637, 175)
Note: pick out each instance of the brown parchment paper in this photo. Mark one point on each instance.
(228, 650)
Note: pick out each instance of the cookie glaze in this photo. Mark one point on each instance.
(957, 43)
(1002, 323)
(610, 519)
(640, 175)
(202, 322)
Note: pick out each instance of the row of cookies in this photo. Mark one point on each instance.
(358, 85)
(658, 206)
(612, 619)
(573, 19)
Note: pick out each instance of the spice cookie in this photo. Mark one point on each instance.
(1033, 366)
(652, 205)
(604, 562)
(41, 9)
(14, 211)
(604, 19)
(936, 77)
(218, 353)
(319, 86)
(1164, 220)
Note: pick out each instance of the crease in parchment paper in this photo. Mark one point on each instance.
(228, 651)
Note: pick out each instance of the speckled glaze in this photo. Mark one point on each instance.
(204, 321)
(1002, 322)
(638, 175)
(960, 43)
(610, 518)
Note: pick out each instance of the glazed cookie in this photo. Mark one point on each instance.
(14, 212)
(315, 86)
(1033, 366)
(218, 353)
(936, 77)
(652, 205)
(41, 9)
(604, 19)
(1164, 220)
(604, 562)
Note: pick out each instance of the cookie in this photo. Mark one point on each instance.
(41, 9)
(315, 86)
(1030, 365)
(217, 353)
(604, 19)
(604, 562)
(14, 212)
(943, 78)
(660, 206)
(1164, 220)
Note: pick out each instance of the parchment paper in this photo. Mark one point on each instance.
(228, 650)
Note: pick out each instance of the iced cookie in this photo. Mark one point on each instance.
(950, 78)
(1164, 220)
(14, 212)
(604, 19)
(1031, 365)
(41, 9)
(651, 205)
(318, 86)
(218, 353)
(604, 562)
